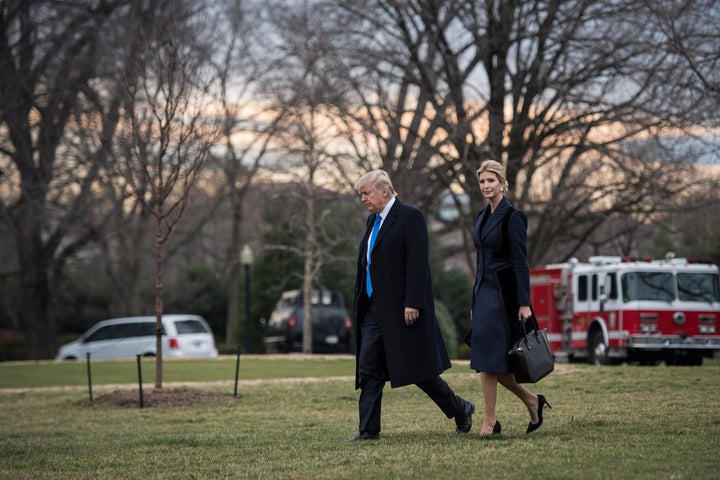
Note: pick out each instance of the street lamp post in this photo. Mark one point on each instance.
(246, 258)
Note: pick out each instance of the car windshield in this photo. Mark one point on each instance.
(190, 326)
(658, 286)
(698, 287)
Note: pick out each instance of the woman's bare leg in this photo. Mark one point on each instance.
(489, 387)
(530, 400)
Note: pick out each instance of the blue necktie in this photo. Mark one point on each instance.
(373, 234)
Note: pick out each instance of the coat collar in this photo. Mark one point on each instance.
(390, 218)
(392, 215)
(495, 218)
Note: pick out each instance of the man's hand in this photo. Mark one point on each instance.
(411, 314)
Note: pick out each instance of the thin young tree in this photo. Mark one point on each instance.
(169, 126)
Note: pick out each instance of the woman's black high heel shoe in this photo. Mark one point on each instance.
(541, 402)
(497, 428)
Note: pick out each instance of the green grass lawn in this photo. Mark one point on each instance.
(220, 369)
(606, 423)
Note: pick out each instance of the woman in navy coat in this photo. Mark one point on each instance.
(491, 334)
(396, 331)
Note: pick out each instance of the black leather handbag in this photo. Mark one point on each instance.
(530, 358)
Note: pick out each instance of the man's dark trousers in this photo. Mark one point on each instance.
(373, 375)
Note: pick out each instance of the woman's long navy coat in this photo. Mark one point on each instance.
(490, 342)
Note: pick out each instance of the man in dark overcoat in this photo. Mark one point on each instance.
(397, 336)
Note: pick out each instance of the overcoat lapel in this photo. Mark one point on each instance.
(386, 224)
(479, 223)
(494, 219)
(366, 239)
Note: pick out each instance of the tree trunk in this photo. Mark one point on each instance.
(159, 292)
(309, 264)
(233, 288)
(233, 293)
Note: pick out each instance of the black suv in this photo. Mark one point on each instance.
(330, 318)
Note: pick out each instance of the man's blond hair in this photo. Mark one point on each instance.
(379, 179)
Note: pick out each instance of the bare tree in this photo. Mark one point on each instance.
(169, 127)
(571, 94)
(51, 56)
(690, 29)
(241, 68)
(303, 94)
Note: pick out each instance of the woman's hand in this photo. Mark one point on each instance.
(524, 313)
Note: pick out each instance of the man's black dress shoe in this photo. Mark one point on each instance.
(363, 436)
(464, 420)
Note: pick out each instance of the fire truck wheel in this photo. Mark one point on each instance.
(597, 350)
(685, 359)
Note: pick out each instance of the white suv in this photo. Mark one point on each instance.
(183, 336)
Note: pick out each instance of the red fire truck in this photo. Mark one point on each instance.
(613, 309)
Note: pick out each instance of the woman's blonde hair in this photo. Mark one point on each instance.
(498, 169)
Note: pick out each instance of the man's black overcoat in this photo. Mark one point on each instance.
(400, 273)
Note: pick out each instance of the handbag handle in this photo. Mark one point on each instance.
(527, 344)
